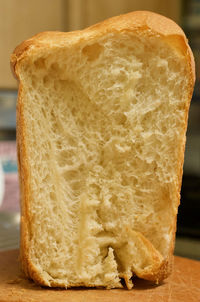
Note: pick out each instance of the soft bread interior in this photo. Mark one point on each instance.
(105, 127)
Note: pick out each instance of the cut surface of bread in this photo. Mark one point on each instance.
(101, 122)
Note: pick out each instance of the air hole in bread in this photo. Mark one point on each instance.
(44, 112)
(40, 63)
(34, 82)
(46, 81)
(71, 175)
(164, 129)
(93, 51)
(120, 118)
(46, 179)
(55, 67)
(76, 186)
(65, 158)
(52, 195)
(59, 144)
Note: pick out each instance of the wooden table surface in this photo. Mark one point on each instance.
(183, 285)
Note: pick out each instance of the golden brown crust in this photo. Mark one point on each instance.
(140, 22)
(25, 229)
(23, 177)
(160, 268)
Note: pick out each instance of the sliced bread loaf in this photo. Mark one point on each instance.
(101, 122)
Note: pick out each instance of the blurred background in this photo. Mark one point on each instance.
(21, 19)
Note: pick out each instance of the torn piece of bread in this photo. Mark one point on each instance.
(101, 122)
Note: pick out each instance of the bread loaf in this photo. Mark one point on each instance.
(101, 122)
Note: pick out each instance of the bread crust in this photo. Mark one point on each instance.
(140, 22)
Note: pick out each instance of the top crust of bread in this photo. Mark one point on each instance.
(138, 22)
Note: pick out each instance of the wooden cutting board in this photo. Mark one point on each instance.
(183, 286)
